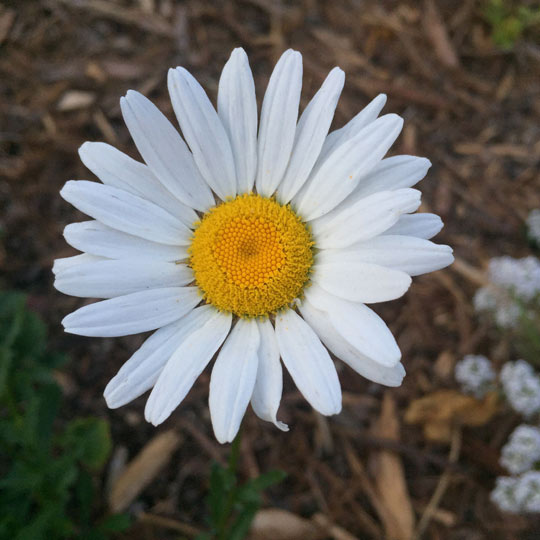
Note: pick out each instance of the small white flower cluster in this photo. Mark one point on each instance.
(533, 225)
(510, 280)
(520, 456)
(522, 276)
(519, 381)
(475, 375)
(522, 450)
(521, 387)
(518, 494)
(498, 302)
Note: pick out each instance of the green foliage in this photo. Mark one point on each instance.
(232, 506)
(46, 487)
(527, 333)
(509, 20)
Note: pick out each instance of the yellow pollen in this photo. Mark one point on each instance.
(251, 256)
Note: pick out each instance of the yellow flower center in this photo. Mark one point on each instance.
(251, 256)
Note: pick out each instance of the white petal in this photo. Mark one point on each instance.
(392, 173)
(98, 239)
(203, 132)
(142, 370)
(65, 263)
(126, 212)
(364, 219)
(269, 383)
(311, 132)
(367, 115)
(348, 277)
(185, 365)
(233, 379)
(237, 108)
(368, 368)
(419, 225)
(133, 313)
(308, 362)
(116, 169)
(406, 253)
(339, 175)
(107, 279)
(358, 325)
(164, 151)
(278, 121)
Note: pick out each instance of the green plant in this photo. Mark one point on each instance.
(233, 506)
(46, 486)
(508, 21)
(527, 333)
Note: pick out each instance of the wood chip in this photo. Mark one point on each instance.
(75, 99)
(143, 469)
(436, 32)
(335, 531)
(277, 524)
(145, 21)
(390, 477)
(105, 126)
(167, 523)
(444, 365)
(7, 18)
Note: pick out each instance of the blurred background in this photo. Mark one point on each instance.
(419, 461)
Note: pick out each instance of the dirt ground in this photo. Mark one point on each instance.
(470, 107)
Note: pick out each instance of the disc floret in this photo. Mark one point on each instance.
(251, 256)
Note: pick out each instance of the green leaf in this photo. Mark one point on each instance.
(46, 489)
(115, 523)
(222, 482)
(12, 306)
(40, 411)
(240, 527)
(266, 480)
(54, 360)
(6, 359)
(50, 397)
(84, 491)
(204, 536)
(31, 339)
(91, 440)
(61, 476)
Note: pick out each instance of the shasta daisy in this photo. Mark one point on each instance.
(261, 241)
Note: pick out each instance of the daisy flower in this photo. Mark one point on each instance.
(259, 240)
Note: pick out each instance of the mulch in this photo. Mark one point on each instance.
(470, 107)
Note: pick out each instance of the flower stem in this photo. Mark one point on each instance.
(235, 452)
(232, 466)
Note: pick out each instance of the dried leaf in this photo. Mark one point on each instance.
(390, 480)
(441, 410)
(142, 470)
